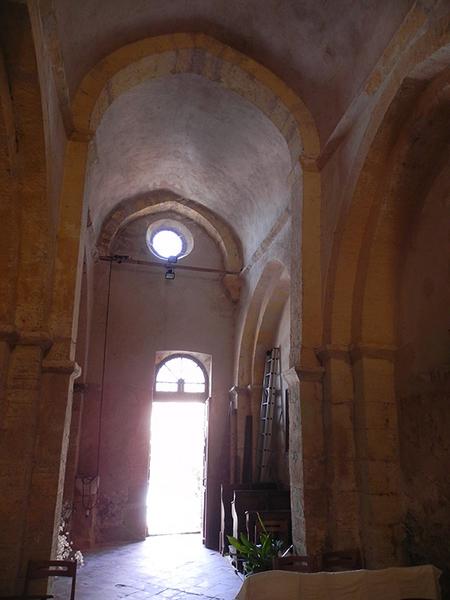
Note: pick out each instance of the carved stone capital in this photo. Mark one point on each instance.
(380, 351)
(10, 334)
(239, 390)
(311, 373)
(67, 367)
(291, 377)
(296, 375)
(233, 284)
(333, 351)
(35, 338)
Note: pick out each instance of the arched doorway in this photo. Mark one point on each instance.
(175, 501)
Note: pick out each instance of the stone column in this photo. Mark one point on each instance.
(341, 469)
(39, 259)
(306, 459)
(243, 409)
(7, 338)
(17, 439)
(377, 444)
(35, 423)
(234, 462)
(255, 393)
(74, 441)
(49, 460)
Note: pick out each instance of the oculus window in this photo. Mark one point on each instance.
(168, 239)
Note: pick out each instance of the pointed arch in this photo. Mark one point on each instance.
(422, 60)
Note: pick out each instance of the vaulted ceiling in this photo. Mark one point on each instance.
(323, 49)
(192, 136)
(187, 134)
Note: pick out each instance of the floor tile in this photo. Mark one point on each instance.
(175, 567)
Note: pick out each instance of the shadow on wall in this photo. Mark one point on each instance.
(423, 384)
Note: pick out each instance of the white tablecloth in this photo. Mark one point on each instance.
(394, 583)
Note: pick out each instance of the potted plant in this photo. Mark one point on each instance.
(256, 557)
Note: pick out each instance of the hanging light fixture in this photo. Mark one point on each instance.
(170, 271)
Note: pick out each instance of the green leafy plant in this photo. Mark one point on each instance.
(256, 557)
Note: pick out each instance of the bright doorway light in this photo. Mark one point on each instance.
(175, 495)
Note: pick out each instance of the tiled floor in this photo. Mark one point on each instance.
(175, 567)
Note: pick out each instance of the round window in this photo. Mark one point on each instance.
(167, 243)
(168, 239)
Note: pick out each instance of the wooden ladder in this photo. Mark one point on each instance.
(271, 389)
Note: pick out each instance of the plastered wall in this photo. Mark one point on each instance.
(148, 314)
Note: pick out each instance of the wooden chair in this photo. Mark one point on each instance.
(342, 560)
(300, 564)
(43, 569)
(278, 523)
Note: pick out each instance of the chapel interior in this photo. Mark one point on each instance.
(296, 152)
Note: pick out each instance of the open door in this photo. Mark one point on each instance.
(177, 482)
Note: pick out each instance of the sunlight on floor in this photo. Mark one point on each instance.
(175, 497)
(178, 567)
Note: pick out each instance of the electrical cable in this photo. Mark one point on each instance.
(102, 394)
(87, 480)
(118, 258)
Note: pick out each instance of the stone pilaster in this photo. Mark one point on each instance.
(19, 426)
(7, 338)
(306, 459)
(242, 404)
(38, 299)
(341, 472)
(74, 441)
(49, 459)
(377, 444)
(234, 461)
(255, 393)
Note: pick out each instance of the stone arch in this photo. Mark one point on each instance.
(163, 201)
(361, 305)
(200, 54)
(269, 318)
(166, 200)
(279, 103)
(428, 55)
(270, 315)
(263, 292)
(415, 161)
(263, 305)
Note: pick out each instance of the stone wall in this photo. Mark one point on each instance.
(423, 381)
(281, 422)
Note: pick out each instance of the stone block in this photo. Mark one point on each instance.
(385, 509)
(381, 546)
(381, 444)
(377, 378)
(376, 415)
(381, 476)
(341, 437)
(343, 474)
(314, 473)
